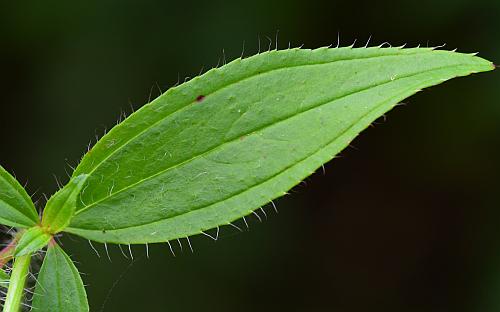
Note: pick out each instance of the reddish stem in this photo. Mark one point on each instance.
(7, 253)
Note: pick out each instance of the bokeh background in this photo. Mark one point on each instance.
(408, 219)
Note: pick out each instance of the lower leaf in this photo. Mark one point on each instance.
(59, 287)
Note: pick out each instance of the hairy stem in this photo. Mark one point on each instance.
(17, 282)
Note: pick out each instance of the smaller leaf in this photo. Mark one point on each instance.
(16, 207)
(59, 287)
(4, 279)
(32, 240)
(61, 206)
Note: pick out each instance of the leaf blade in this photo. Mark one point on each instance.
(205, 188)
(31, 241)
(59, 286)
(4, 279)
(16, 207)
(61, 206)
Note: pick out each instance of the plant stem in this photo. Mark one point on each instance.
(7, 253)
(17, 282)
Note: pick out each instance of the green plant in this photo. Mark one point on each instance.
(211, 151)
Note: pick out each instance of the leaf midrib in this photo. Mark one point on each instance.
(58, 278)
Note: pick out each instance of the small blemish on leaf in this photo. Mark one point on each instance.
(110, 143)
(200, 98)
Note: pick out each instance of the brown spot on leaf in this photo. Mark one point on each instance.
(200, 98)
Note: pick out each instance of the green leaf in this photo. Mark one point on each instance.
(59, 285)
(61, 207)
(4, 279)
(16, 207)
(31, 241)
(223, 144)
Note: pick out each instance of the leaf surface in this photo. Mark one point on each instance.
(59, 285)
(61, 207)
(16, 207)
(214, 149)
(31, 241)
(4, 279)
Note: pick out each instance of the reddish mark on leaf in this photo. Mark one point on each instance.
(200, 98)
(52, 242)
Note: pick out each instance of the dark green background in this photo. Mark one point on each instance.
(407, 220)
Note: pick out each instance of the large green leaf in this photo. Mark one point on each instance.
(59, 285)
(223, 144)
(16, 207)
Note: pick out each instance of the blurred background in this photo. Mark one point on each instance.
(408, 219)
